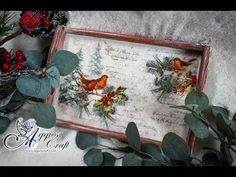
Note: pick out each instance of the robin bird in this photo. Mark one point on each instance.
(178, 64)
(94, 84)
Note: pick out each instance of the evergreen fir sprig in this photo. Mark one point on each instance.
(159, 66)
(5, 26)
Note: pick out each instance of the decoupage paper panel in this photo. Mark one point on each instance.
(125, 65)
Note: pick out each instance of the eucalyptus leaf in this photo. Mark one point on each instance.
(198, 98)
(118, 143)
(54, 76)
(16, 102)
(34, 86)
(131, 159)
(189, 107)
(174, 147)
(4, 124)
(149, 162)
(108, 159)
(5, 101)
(153, 150)
(85, 140)
(234, 117)
(94, 157)
(220, 110)
(199, 128)
(65, 61)
(223, 127)
(33, 59)
(233, 163)
(133, 136)
(44, 114)
(225, 151)
(211, 159)
(232, 125)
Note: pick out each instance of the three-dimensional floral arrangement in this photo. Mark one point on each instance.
(41, 23)
(173, 76)
(24, 75)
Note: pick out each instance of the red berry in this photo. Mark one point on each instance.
(6, 67)
(194, 80)
(41, 15)
(19, 53)
(46, 22)
(20, 66)
(6, 56)
(20, 58)
(29, 21)
(28, 33)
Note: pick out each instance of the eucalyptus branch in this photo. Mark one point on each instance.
(11, 36)
(225, 142)
(112, 148)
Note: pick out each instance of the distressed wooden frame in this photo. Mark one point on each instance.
(58, 42)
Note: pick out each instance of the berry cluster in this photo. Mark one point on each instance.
(31, 21)
(12, 62)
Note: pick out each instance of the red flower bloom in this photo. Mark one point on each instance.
(30, 21)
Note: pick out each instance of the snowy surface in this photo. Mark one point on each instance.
(214, 28)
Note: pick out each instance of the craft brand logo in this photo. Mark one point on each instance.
(29, 135)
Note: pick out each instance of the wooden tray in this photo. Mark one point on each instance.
(60, 41)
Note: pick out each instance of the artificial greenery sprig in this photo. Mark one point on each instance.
(173, 149)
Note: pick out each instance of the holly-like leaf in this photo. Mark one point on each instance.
(34, 86)
(174, 147)
(44, 114)
(152, 150)
(133, 136)
(85, 140)
(131, 159)
(65, 61)
(4, 124)
(33, 59)
(94, 157)
(108, 159)
(54, 76)
(199, 128)
(220, 110)
(198, 98)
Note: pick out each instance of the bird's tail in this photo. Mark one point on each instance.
(81, 75)
(192, 60)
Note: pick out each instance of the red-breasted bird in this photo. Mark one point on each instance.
(94, 84)
(178, 64)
